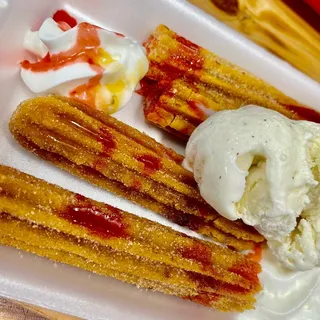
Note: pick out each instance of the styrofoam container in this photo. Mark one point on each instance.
(71, 290)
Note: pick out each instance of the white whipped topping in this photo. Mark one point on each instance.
(257, 165)
(34, 45)
(286, 295)
(124, 63)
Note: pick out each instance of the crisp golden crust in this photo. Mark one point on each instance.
(104, 151)
(186, 83)
(60, 225)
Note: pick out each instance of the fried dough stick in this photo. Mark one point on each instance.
(66, 227)
(186, 83)
(104, 151)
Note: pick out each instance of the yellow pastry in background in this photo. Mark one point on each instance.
(275, 26)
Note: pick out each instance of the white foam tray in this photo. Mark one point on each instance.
(67, 289)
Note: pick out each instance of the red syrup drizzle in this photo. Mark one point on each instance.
(136, 185)
(200, 254)
(103, 136)
(256, 255)
(107, 141)
(185, 61)
(245, 272)
(315, 4)
(86, 92)
(84, 50)
(196, 110)
(105, 222)
(304, 113)
(187, 43)
(64, 16)
(152, 89)
(183, 219)
(151, 163)
(187, 56)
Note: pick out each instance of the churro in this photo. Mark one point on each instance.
(63, 226)
(114, 156)
(186, 83)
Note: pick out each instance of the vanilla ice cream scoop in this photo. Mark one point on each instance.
(97, 66)
(257, 165)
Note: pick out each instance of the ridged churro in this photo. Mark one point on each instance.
(186, 83)
(63, 226)
(114, 156)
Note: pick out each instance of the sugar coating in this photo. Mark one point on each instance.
(117, 157)
(33, 218)
(186, 83)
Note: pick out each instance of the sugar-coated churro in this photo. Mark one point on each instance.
(186, 83)
(114, 156)
(63, 226)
